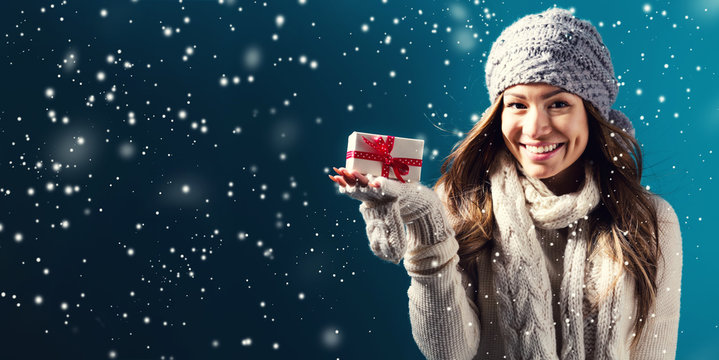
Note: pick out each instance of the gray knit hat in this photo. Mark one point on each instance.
(556, 48)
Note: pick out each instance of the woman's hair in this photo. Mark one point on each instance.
(628, 236)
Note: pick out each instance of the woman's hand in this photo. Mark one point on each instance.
(351, 178)
(387, 205)
(415, 200)
(369, 189)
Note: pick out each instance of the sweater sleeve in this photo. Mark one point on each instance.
(385, 230)
(659, 337)
(442, 311)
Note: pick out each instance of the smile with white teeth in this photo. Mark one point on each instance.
(540, 149)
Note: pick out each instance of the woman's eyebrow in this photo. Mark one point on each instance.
(544, 96)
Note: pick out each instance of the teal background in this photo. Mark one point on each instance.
(280, 267)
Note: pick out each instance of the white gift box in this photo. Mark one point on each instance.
(383, 155)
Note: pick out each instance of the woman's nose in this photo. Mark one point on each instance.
(536, 123)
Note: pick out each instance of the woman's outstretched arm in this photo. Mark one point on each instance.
(442, 313)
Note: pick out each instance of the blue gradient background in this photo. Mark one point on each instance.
(281, 268)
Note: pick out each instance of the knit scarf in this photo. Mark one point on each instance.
(520, 274)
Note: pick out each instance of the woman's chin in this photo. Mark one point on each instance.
(538, 171)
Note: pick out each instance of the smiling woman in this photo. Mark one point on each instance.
(545, 128)
(539, 241)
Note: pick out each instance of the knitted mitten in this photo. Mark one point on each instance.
(386, 209)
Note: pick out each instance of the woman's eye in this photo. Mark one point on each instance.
(516, 106)
(559, 104)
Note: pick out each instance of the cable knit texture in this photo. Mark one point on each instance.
(552, 283)
(556, 48)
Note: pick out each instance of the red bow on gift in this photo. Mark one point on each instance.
(382, 154)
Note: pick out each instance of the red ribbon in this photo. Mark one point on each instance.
(382, 154)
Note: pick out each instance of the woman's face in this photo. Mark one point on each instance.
(544, 127)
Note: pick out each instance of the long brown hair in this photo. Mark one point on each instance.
(629, 237)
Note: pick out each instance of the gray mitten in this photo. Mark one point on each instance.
(380, 211)
(421, 210)
(386, 209)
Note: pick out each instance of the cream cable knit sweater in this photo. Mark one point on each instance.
(452, 319)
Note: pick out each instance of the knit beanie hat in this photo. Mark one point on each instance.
(555, 48)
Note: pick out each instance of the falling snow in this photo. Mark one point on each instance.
(164, 164)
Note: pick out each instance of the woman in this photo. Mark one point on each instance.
(539, 241)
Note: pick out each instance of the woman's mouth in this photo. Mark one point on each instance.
(541, 152)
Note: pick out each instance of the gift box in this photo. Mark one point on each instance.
(383, 155)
